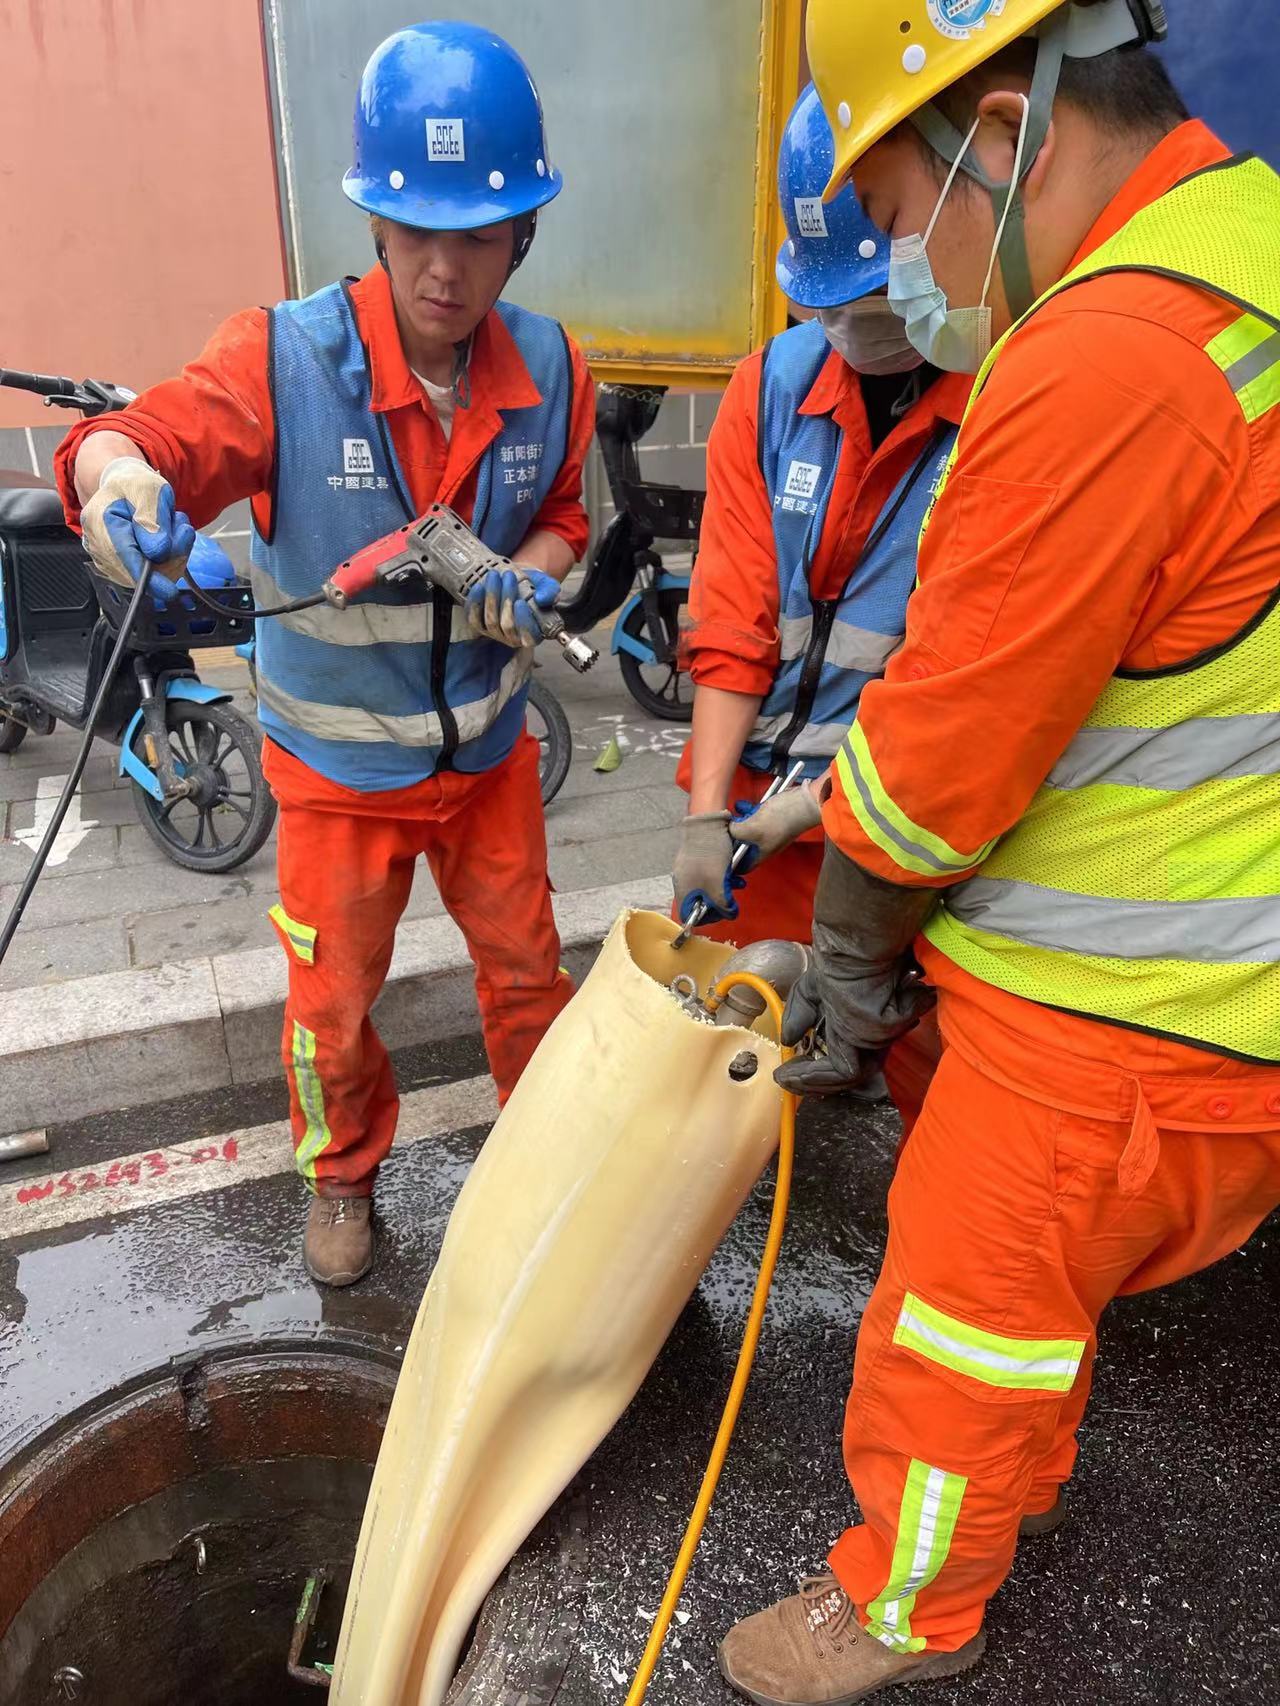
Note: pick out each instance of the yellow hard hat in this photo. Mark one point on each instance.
(876, 62)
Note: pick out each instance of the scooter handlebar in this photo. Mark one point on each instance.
(43, 384)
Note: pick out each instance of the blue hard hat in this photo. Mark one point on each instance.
(448, 131)
(833, 253)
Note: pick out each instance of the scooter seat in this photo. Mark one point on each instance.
(23, 507)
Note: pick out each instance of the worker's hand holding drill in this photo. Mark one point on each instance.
(499, 607)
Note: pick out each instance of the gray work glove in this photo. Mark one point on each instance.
(702, 867)
(776, 823)
(863, 988)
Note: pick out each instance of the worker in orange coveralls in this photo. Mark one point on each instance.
(396, 727)
(821, 463)
(1068, 779)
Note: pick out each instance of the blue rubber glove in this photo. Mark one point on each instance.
(133, 519)
(499, 606)
(208, 566)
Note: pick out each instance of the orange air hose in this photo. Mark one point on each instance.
(746, 1355)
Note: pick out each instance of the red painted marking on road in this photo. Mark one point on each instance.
(122, 1174)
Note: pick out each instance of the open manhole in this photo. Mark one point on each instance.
(155, 1548)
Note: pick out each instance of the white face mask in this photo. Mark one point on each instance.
(958, 340)
(869, 336)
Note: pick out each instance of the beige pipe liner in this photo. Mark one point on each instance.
(606, 1184)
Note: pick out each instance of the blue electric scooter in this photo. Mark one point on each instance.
(627, 571)
(194, 761)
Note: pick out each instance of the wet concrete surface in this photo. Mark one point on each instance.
(1160, 1588)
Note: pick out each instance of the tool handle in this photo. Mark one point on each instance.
(366, 568)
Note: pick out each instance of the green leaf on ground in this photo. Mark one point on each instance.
(610, 757)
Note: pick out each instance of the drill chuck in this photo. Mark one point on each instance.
(577, 651)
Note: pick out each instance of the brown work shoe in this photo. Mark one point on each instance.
(810, 1650)
(1044, 1522)
(338, 1244)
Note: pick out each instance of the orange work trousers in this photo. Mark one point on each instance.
(1057, 1163)
(346, 866)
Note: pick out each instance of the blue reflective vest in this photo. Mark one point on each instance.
(386, 692)
(830, 647)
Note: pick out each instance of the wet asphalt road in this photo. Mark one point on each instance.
(1160, 1588)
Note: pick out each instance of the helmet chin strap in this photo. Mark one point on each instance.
(526, 229)
(1073, 32)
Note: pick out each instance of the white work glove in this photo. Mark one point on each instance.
(776, 823)
(133, 519)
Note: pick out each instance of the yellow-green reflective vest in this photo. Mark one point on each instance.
(1142, 885)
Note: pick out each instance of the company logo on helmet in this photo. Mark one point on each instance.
(958, 19)
(445, 140)
(810, 219)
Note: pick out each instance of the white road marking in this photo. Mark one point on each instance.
(53, 1200)
(74, 827)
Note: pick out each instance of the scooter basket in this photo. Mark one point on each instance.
(668, 512)
(182, 623)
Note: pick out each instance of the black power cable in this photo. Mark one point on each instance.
(258, 612)
(222, 611)
(32, 877)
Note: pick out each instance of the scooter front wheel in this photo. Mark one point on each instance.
(230, 810)
(662, 689)
(547, 723)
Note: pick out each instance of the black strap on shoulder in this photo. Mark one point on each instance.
(570, 388)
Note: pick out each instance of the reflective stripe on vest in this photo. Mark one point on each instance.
(830, 649)
(1142, 884)
(1248, 352)
(377, 695)
(417, 729)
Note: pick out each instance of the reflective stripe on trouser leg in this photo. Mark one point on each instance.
(310, 1093)
(926, 1521)
(300, 939)
(1017, 1364)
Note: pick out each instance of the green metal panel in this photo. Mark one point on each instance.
(654, 113)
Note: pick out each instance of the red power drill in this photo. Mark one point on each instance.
(441, 549)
